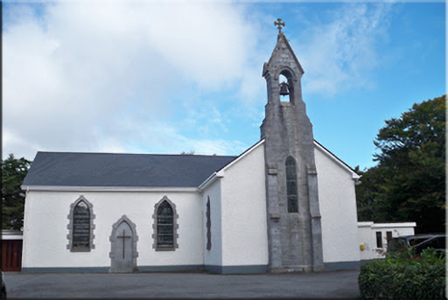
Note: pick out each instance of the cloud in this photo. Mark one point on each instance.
(166, 138)
(135, 76)
(340, 53)
(74, 71)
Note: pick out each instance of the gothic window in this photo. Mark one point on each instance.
(165, 224)
(81, 226)
(209, 223)
(291, 185)
(165, 227)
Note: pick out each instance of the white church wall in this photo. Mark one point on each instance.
(244, 225)
(213, 257)
(45, 230)
(337, 202)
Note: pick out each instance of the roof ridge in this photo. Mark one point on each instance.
(145, 154)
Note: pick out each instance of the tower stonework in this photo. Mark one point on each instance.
(294, 230)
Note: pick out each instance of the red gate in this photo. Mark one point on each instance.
(11, 255)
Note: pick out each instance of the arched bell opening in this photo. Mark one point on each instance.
(286, 86)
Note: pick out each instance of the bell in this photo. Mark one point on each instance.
(284, 89)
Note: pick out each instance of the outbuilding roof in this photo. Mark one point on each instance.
(121, 170)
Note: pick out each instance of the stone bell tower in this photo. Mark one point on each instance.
(294, 225)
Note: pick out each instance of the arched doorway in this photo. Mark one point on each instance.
(123, 252)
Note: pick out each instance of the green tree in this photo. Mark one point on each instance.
(13, 197)
(408, 184)
(367, 194)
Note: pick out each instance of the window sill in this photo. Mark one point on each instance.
(165, 249)
(80, 250)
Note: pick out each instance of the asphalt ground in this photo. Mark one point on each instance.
(197, 285)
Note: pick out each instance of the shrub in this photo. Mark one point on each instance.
(402, 276)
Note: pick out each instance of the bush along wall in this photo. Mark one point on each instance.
(403, 276)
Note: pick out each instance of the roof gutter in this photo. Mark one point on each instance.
(44, 188)
(210, 180)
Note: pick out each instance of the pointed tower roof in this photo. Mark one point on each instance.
(282, 43)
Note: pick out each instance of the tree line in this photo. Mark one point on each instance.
(408, 183)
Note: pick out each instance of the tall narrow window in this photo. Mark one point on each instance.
(389, 235)
(379, 239)
(291, 185)
(165, 227)
(81, 226)
(209, 224)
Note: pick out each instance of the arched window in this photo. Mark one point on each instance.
(209, 224)
(165, 227)
(81, 226)
(165, 224)
(291, 185)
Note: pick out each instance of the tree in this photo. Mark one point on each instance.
(369, 208)
(187, 153)
(13, 198)
(408, 184)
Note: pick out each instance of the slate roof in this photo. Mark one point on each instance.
(122, 170)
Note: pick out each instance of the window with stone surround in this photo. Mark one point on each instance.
(165, 226)
(81, 226)
(291, 185)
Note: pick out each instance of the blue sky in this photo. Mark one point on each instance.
(167, 77)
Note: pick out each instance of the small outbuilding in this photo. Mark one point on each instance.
(373, 237)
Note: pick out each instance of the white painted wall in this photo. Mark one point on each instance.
(337, 203)
(214, 255)
(243, 202)
(45, 229)
(367, 236)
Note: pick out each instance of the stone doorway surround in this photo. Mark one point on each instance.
(123, 253)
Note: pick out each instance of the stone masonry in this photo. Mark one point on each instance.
(295, 239)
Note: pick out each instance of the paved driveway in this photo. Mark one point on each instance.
(335, 284)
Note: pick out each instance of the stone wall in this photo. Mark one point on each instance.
(295, 241)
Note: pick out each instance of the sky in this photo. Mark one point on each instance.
(185, 76)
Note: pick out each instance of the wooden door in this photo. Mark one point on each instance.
(11, 255)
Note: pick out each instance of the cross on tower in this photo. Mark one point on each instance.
(123, 237)
(279, 24)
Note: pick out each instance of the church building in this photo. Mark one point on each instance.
(286, 204)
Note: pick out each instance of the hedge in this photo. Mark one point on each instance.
(401, 276)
